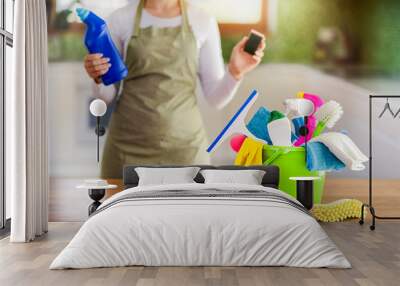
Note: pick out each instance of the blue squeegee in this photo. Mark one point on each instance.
(236, 124)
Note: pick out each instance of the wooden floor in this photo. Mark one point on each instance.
(386, 193)
(375, 257)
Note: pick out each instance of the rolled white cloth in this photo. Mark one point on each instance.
(344, 149)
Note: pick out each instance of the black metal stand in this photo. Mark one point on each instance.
(98, 137)
(96, 195)
(305, 193)
(100, 131)
(369, 205)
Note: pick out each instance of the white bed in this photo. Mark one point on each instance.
(185, 230)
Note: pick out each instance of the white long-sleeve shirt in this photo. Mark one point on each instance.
(217, 84)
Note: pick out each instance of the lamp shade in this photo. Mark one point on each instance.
(98, 107)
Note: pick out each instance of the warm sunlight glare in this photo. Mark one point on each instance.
(233, 11)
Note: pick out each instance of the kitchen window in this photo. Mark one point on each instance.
(237, 17)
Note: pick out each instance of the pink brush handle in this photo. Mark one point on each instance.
(315, 99)
(311, 124)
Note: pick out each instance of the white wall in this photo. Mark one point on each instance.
(72, 144)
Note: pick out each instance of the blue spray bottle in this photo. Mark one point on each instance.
(98, 40)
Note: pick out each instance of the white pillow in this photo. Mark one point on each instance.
(165, 176)
(247, 177)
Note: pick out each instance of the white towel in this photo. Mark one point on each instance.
(344, 149)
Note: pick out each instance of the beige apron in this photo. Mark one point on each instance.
(157, 120)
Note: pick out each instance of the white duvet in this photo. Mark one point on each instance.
(200, 231)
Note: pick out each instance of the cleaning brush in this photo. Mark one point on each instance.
(337, 210)
(327, 116)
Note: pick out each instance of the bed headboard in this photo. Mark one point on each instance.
(270, 179)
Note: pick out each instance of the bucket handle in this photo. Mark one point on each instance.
(274, 156)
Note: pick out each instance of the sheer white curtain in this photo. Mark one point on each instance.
(26, 124)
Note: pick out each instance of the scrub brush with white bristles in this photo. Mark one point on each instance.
(337, 210)
(327, 116)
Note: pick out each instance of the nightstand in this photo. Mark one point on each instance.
(96, 193)
(305, 190)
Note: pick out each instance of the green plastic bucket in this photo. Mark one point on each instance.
(292, 163)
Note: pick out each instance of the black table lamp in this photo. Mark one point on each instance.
(98, 108)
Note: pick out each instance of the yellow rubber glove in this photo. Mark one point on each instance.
(250, 153)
